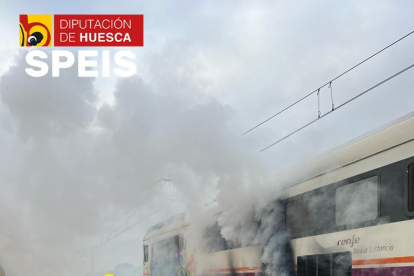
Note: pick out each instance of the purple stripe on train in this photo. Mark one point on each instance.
(384, 271)
(238, 274)
(379, 271)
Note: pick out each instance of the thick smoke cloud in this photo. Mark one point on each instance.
(47, 108)
(261, 223)
(70, 163)
(71, 168)
(125, 269)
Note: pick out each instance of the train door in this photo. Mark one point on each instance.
(331, 264)
(167, 256)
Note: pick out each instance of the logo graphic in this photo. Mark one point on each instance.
(35, 30)
(81, 30)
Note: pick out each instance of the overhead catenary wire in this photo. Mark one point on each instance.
(115, 233)
(140, 239)
(339, 106)
(328, 83)
(101, 243)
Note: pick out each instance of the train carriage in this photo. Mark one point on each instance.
(348, 212)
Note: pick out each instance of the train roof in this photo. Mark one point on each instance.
(386, 137)
(211, 210)
(323, 170)
(165, 226)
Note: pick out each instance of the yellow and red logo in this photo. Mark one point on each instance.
(35, 30)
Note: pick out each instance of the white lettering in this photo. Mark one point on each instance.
(30, 59)
(57, 64)
(132, 68)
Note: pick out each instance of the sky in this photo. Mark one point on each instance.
(80, 155)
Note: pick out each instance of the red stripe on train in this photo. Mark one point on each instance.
(236, 269)
(395, 260)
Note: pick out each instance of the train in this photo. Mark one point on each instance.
(348, 212)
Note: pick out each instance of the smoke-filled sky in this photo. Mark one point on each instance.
(79, 155)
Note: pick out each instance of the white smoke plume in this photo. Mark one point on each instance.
(72, 169)
(261, 223)
(125, 269)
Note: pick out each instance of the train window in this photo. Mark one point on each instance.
(331, 264)
(311, 267)
(411, 188)
(324, 265)
(301, 266)
(357, 202)
(342, 264)
(213, 241)
(298, 217)
(312, 213)
(146, 253)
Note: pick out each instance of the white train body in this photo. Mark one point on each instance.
(349, 213)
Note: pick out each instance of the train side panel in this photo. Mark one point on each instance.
(386, 249)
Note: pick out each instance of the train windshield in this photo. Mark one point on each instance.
(166, 256)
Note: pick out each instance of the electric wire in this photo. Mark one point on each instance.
(339, 106)
(329, 82)
(101, 243)
(114, 233)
